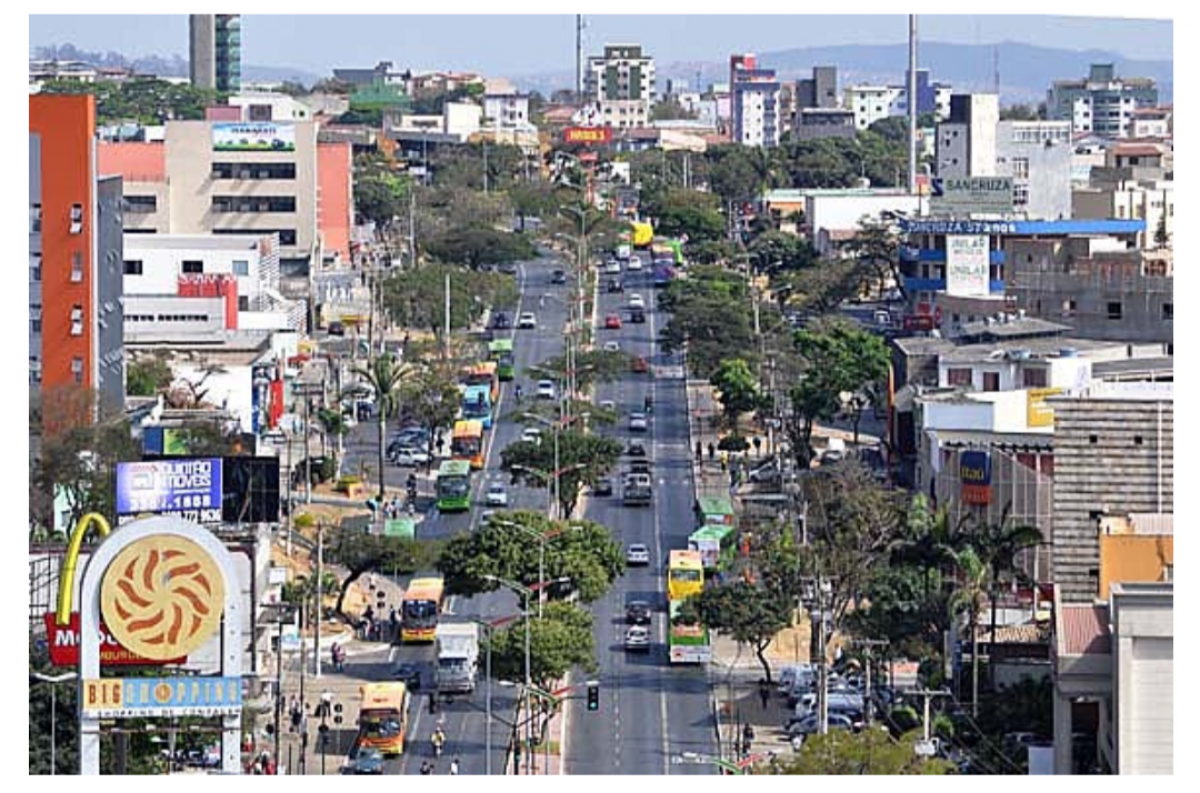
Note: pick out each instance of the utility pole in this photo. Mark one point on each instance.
(928, 696)
(912, 104)
(320, 599)
(869, 710)
(579, 58)
(485, 168)
(307, 450)
(412, 227)
(446, 345)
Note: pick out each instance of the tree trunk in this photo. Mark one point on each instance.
(992, 636)
(974, 663)
(759, 648)
(382, 447)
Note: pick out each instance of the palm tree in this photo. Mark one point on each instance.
(332, 422)
(930, 540)
(971, 587)
(386, 376)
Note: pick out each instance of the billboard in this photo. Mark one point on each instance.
(250, 489)
(587, 134)
(975, 475)
(253, 136)
(1037, 412)
(990, 195)
(171, 486)
(63, 642)
(120, 698)
(967, 258)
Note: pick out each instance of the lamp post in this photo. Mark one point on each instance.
(53, 680)
(283, 611)
(489, 627)
(815, 597)
(542, 538)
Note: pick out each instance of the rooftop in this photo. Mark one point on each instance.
(1084, 630)
(215, 242)
(1013, 328)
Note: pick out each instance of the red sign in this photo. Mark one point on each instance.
(64, 646)
(587, 134)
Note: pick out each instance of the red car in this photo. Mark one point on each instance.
(639, 365)
(612, 322)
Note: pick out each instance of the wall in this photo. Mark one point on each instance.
(162, 308)
(230, 389)
(1133, 558)
(35, 254)
(843, 212)
(1048, 184)
(335, 196)
(162, 260)
(1143, 679)
(110, 289)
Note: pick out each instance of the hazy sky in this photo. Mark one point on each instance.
(513, 45)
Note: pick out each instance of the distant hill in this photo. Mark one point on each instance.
(167, 66)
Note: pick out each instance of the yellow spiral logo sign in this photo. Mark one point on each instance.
(162, 597)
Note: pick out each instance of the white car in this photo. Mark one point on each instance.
(634, 265)
(635, 301)
(638, 422)
(637, 639)
(532, 434)
(409, 456)
(608, 404)
(612, 267)
(545, 389)
(496, 496)
(637, 554)
(527, 321)
(612, 346)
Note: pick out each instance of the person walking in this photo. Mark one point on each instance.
(712, 451)
(454, 767)
(426, 768)
(764, 693)
(700, 451)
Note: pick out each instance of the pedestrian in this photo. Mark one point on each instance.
(699, 452)
(724, 461)
(758, 442)
(371, 581)
(712, 451)
(333, 655)
(764, 693)
(454, 767)
(426, 768)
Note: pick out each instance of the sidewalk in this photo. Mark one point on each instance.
(548, 753)
(703, 414)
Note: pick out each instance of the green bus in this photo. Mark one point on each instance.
(501, 351)
(687, 644)
(712, 542)
(715, 511)
(454, 486)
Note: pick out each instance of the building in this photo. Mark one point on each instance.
(870, 103)
(966, 141)
(381, 73)
(754, 103)
(269, 106)
(620, 83)
(1102, 103)
(230, 177)
(819, 122)
(932, 98)
(1151, 200)
(1114, 454)
(1152, 122)
(1136, 547)
(819, 91)
(506, 111)
(75, 254)
(1038, 156)
(215, 51)
(41, 70)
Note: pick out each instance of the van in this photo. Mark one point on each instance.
(789, 673)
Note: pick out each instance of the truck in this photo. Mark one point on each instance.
(457, 657)
(638, 491)
(624, 251)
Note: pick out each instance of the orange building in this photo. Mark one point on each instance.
(75, 331)
(335, 199)
(1136, 548)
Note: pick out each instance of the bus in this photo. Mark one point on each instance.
(712, 542)
(454, 486)
(685, 575)
(501, 351)
(484, 373)
(715, 511)
(383, 717)
(467, 442)
(687, 644)
(420, 608)
(477, 404)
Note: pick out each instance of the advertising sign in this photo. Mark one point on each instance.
(63, 641)
(253, 136)
(1037, 412)
(170, 486)
(903, 675)
(991, 195)
(975, 474)
(587, 134)
(967, 265)
(958, 227)
(121, 698)
(400, 527)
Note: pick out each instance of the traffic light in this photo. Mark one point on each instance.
(593, 696)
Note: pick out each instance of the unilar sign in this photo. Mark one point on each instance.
(975, 474)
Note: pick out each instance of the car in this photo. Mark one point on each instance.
(612, 346)
(409, 674)
(603, 487)
(636, 301)
(545, 389)
(637, 316)
(637, 612)
(634, 264)
(639, 467)
(637, 639)
(636, 449)
(527, 321)
(639, 365)
(336, 329)
(612, 321)
(409, 456)
(614, 286)
(637, 554)
(497, 495)
(612, 267)
(508, 268)
(558, 277)
(808, 724)
(532, 435)
(608, 404)
(367, 761)
(638, 422)
(502, 321)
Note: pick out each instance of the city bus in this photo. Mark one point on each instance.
(501, 351)
(383, 717)
(715, 511)
(467, 442)
(420, 608)
(712, 542)
(484, 373)
(687, 644)
(454, 486)
(685, 575)
(477, 404)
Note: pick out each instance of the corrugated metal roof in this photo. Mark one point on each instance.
(1037, 633)
(1152, 523)
(1085, 630)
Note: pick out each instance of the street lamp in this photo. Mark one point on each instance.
(284, 613)
(542, 538)
(489, 627)
(53, 680)
(815, 596)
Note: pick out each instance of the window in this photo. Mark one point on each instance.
(76, 218)
(286, 236)
(35, 218)
(1137, 440)
(1114, 309)
(243, 302)
(226, 203)
(141, 204)
(76, 267)
(35, 267)
(133, 267)
(35, 318)
(192, 267)
(1020, 167)
(241, 267)
(1168, 311)
(77, 369)
(958, 377)
(254, 170)
(77, 320)
(1033, 378)
(35, 369)
(991, 381)
(1093, 439)
(1020, 194)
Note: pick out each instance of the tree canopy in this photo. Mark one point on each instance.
(872, 751)
(738, 387)
(750, 613)
(560, 640)
(141, 100)
(416, 297)
(582, 459)
(711, 312)
(476, 246)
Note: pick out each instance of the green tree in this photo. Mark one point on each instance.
(874, 752)
(148, 378)
(820, 288)
(710, 312)
(81, 463)
(363, 552)
(582, 460)
(677, 212)
(579, 549)
(561, 640)
(778, 251)
(477, 246)
(416, 298)
(892, 128)
(432, 399)
(332, 424)
(738, 387)
(970, 589)
(591, 367)
(381, 194)
(752, 614)
(1019, 112)
(143, 100)
(1161, 237)
(386, 376)
(670, 110)
(876, 247)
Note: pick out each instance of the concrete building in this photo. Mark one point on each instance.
(1037, 155)
(931, 97)
(1135, 181)
(1102, 103)
(381, 73)
(1114, 454)
(833, 215)
(269, 106)
(155, 264)
(215, 51)
(824, 123)
(870, 103)
(75, 255)
(620, 83)
(1136, 547)
(818, 91)
(240, 178)
(755, 105)
(1152, 122)
(506, 111)
(966, 141)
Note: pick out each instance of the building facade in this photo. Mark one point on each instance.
(1037, 155)
(506, 111)
(1102, 103)
(870, 103)
(755, 103)
(818, 91)
(621, 85)
(966, 141)
(75, 253)
(215, 51)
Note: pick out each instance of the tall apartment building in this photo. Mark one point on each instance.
(870, 103)
(233, 177)
(755, 103)
(1113, 454)
(818, 91)
(966, 141)
(215, 51)
(621, 84)
(1102, 103)
(74, 254)
(1037, 155)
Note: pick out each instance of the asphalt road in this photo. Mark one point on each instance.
(649, 710)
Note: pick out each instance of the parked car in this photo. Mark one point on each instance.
(545, 389)
(501, 321)
(612, 346)
(527, 321)
(409, 456)
(558, 277)
(603, 487)
(808, 724)
(637, 554)
(614, 286)
(497, 495)
(409, 674)
(635, 301)
(637, 316)
(637, 639)
(638, 422)
(637, 612)
(612, 322)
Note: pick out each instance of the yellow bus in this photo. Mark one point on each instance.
(467, 442)
(383, 717)
(685, 575)
(484, 373)
(420, 609)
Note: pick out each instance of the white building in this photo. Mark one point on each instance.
(506, 111)
(270, 106)
(155, 263)
(870, 103)
(966, 142)
(1038, 156)
(621, 85)
(1152, 122)
(756, 119)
